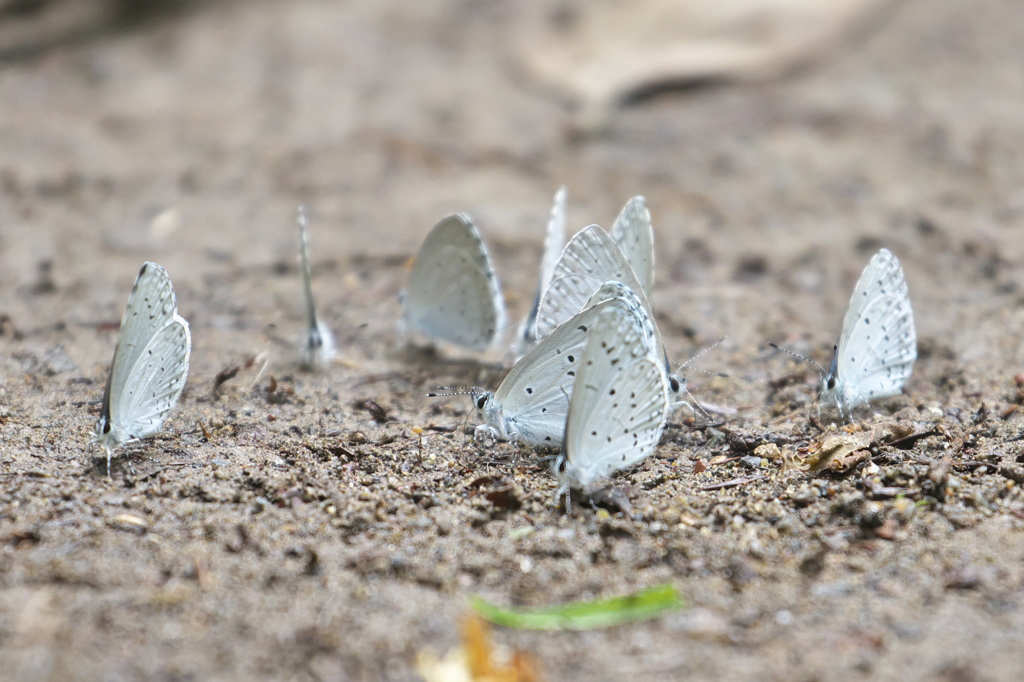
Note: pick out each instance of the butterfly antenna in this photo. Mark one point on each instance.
(702, 371)
(703, 353)
(798, 356)
(721, 375)
(443, 391)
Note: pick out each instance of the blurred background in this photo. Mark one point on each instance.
(775, 140)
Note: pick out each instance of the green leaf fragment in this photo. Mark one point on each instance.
(588, 615)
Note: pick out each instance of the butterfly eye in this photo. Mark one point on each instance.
(831, 383)
(480, 402)
(674, 384)
(561, 465)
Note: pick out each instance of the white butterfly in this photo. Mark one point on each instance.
(453, 292)
(317, 347)
(619, 404)
(150, 363)
(554, 242)
(590, 259)
(531, 404)
(878, 345)
(633, 234)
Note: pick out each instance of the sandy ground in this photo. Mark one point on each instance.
(285, 534)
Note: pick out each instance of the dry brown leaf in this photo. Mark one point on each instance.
(597, 54)
(477, 660)
(848, 461)
(835, 447)
(840, 451)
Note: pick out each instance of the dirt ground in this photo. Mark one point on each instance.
(294, 532)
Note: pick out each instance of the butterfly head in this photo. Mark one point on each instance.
(566, 475)
(830, 379)
(106, 434)
(318, 347)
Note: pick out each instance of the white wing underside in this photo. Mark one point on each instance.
(633, 234)
(154, 383)
(453, 292)
(151, 307)
(589, 261)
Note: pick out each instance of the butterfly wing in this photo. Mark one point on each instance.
(151, 306)
(633, 234)
(619, 403)
(453, 292)
(318, 344)
(554, 242)
(154, 382)
(589, 260)
(878, 344)
(637, 306)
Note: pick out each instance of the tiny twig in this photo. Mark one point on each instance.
(734, 482)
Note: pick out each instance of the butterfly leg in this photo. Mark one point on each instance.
(564, 488)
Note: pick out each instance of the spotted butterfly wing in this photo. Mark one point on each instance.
(878, 344)
(619, 403)
(155, 383)
(590, 259)
(633, 234)
(453, 292)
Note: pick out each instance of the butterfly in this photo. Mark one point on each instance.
(618, 407)
(317, 347)
(530, 404)
(453, 292)
(150, 363)
(877, 347)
